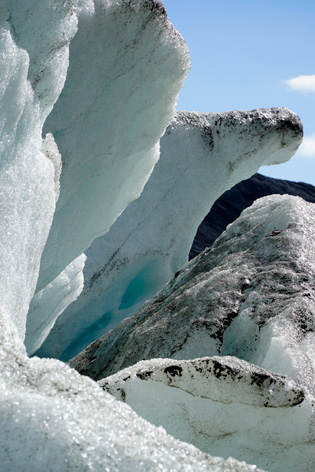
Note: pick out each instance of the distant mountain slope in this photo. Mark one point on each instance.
(230, 205)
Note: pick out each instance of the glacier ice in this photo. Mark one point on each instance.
(107, 122)
(87, 89)
(54, 297)
(249, 296)
(202, 155)
(29, 87)
(224, 405)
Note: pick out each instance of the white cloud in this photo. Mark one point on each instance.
(307, 148)
(303, 83)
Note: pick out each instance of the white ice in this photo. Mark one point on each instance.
(31, 80)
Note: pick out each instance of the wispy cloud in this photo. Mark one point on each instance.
(307, 148)
(303, 83)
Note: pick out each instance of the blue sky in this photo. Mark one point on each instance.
(243, 54)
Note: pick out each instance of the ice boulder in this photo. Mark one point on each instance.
(224, 405)
(51, 418)
(249, 296)
(202, 155)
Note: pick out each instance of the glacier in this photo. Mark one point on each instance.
(202, 155)
(107, 122)
(109, 137)
(88, 89)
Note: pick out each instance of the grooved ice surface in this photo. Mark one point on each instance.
(202, 155)
(224, 404)
(51, 418)
(127, 66)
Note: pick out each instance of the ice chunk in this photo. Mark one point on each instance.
(202, 155)
(223, 404)
(127, 66)
(220, 379)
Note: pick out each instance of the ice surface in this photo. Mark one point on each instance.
(223, 404)
(27, 177)
(91, 157)
(127, 66)
(51, 418)
(202, 155)
(250, 296)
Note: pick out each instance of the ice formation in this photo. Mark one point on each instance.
(113, 109)
(47, 304)
(202, 155)
(87, 89)
(32, 76)
(249, 296)
(224, 405)
(107, 122)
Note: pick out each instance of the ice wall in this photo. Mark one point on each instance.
(202, 155)
(127, 66)
(30, 84)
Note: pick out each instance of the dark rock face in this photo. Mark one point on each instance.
(230, 205)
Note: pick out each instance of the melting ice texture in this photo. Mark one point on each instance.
(27, 93)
